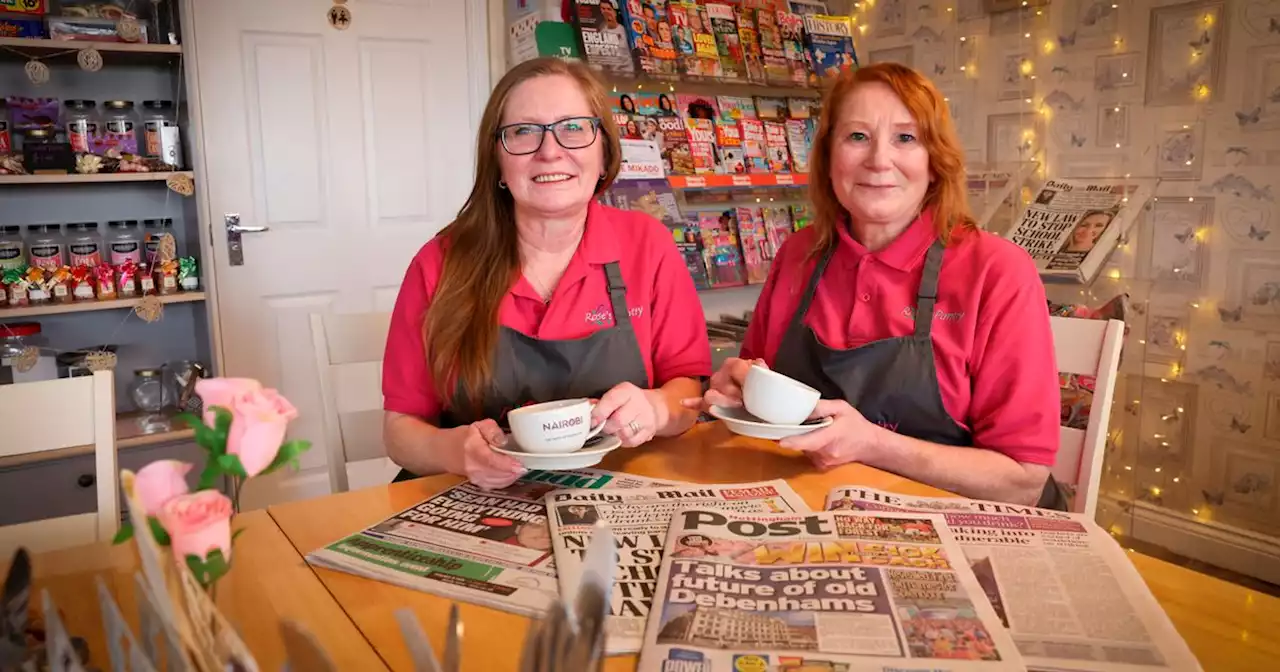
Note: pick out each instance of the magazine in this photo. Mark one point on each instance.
(1071, 226)
(465, 543)
(639, 519)
(831, 48)
(604, 37)
(1060, 584)
(847, 590)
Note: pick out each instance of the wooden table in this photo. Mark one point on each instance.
(269, 582)
(1228, 627)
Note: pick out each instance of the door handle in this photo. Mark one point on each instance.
(235, 247)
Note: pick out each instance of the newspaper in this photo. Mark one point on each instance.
(1070, 226)
(465, 543)
(1060, 584)
(990, 194)
(639, 519)
(846, 590)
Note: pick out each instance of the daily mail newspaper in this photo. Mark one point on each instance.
(1071, 226)
(465, 543)
(639, 520)
(845, 590)
(1060, 584)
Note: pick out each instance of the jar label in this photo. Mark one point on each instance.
(48, 257)
(128, 251)
(6, 144)
(85, 254)
(78, 133)
(120, 126)
(147, 284)
(84, 290)
(7, 253)
(59, 291)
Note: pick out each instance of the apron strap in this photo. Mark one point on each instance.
(927, 296)
(797, 318)
(617, 294)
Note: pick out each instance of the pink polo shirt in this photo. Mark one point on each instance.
(663, 303)
(992, 343)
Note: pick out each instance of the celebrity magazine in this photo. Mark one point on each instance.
(465, 543)
(1060, 584)
(1070, 227)
(639, 519)
(847, 590)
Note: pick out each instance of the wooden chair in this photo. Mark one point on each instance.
(1086, 348)
(52, 415)
(348, 351)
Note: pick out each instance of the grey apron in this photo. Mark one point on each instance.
(892, 382)
(527, 370)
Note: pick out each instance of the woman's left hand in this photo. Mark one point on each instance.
(849, 438)
(630, 413)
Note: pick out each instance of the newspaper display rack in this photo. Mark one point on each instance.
(1059, 583)
(487, 547)
(847, 590)
(639, 518)
(1070, 227)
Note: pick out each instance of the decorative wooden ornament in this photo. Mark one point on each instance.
(181, 183)
(340, 17)
(150, 309)
(100, 360)
(90, 59)
(167, 250)
(26, 360)
(37, 72)
(129, 30)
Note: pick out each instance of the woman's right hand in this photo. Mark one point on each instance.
(479, 462)
(725, 389)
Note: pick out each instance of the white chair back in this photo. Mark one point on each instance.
(348, 351)
(59, 414)
(1087, 348)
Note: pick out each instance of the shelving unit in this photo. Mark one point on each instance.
(130, 433)
(77, 178)
(90, 306)
(41, 46)
(723, 181)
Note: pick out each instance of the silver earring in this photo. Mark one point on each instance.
(502, 184)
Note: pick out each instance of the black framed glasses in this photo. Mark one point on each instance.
(571, 133)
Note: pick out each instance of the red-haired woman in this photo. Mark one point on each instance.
(536, 292)
(928, 338)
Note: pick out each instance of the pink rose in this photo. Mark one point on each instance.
(197, 523)
(222, 392)
(259, 421)
(160, 482)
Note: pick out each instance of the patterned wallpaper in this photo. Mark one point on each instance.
(1188, 92)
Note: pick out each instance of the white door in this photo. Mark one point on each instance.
(353, 147)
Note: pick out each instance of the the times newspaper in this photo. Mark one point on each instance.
(1070, 226)
(465, 543)
(822, 591)
(639, 520)
(1060, 584)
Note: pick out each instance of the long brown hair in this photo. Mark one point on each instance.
(946, 195)
(481, 259)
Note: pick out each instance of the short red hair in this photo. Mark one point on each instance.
(947, 196)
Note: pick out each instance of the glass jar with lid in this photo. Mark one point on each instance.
(124, 242)
(121, 122)
(160, 132)
(154, 230)
(147, 390)
(38, 136)
(44, 245)
(84, 245)
(81, 122)
(13, 251)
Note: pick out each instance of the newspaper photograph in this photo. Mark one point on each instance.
(1070, 227)
(639, 519)
(490, 547)
(1060, 584)
(847, 590)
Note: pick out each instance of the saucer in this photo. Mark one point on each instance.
(591, 453)
(739, 421)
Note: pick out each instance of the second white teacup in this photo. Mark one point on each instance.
(777, 399)
(553, 426)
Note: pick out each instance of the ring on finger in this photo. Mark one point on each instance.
(635, 427)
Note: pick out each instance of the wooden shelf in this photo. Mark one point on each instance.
(130, 433)
(712, 181)
(35, 46)
(77, 178)
(90, 306)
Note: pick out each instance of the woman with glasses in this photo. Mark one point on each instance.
(536, 292)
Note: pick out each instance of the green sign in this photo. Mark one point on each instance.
(557, 38)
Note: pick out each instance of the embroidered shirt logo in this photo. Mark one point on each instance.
(603, 314)
(939, 315)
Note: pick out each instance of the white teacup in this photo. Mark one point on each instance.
(777, 399)
(553, 426)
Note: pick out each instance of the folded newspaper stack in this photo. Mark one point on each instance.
(1058, 582)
